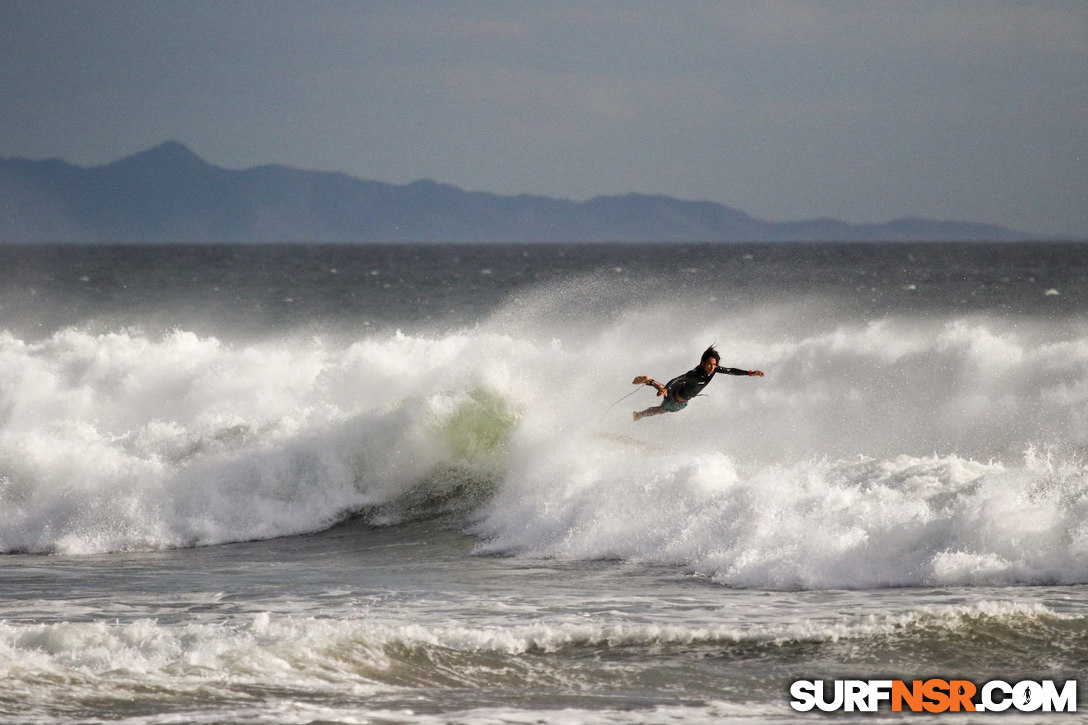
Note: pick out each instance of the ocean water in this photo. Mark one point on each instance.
(401, 484)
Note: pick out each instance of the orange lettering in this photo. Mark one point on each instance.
(935, 690)
(912, 696)
(961, 693)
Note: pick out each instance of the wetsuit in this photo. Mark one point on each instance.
(685, 387)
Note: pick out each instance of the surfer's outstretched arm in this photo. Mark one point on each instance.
(738, 371)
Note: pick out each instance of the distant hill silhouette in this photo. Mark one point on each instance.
(169, 194)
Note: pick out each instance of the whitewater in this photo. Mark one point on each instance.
(453, 427)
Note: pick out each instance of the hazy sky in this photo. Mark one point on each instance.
(974, 110)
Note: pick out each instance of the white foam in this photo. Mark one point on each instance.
(891, 452)
(120, 441)
(815, 524)
(332, 653)
(213, 669)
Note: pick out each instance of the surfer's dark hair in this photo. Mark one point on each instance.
(710, 352)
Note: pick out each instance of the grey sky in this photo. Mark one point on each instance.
(951, 109)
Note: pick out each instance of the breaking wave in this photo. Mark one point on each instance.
(226, 660)
(900, 451)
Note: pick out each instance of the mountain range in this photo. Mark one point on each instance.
(169, 194)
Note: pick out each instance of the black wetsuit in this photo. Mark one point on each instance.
(685, 387)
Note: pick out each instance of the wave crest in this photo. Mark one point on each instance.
(904, 451)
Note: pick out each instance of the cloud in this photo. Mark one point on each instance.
(970, 109)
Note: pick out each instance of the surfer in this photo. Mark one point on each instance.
(678, 391)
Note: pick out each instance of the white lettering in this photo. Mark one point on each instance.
(1000, 705)
(1027, 696)
(855, 695)
(804, 697)
(879, 690)
(1065, 701)
(993, 696)
(821, 701)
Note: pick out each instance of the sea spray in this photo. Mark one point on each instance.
(365, 657)
(876, 453)
(122, 441)
(822, 523)
(922, 421)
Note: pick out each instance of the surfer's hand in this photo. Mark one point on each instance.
(756, 373)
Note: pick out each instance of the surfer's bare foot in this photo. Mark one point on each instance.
(635, 416)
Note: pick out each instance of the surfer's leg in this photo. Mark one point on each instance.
(657, 409)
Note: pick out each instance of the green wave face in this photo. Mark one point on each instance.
(479, 429)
